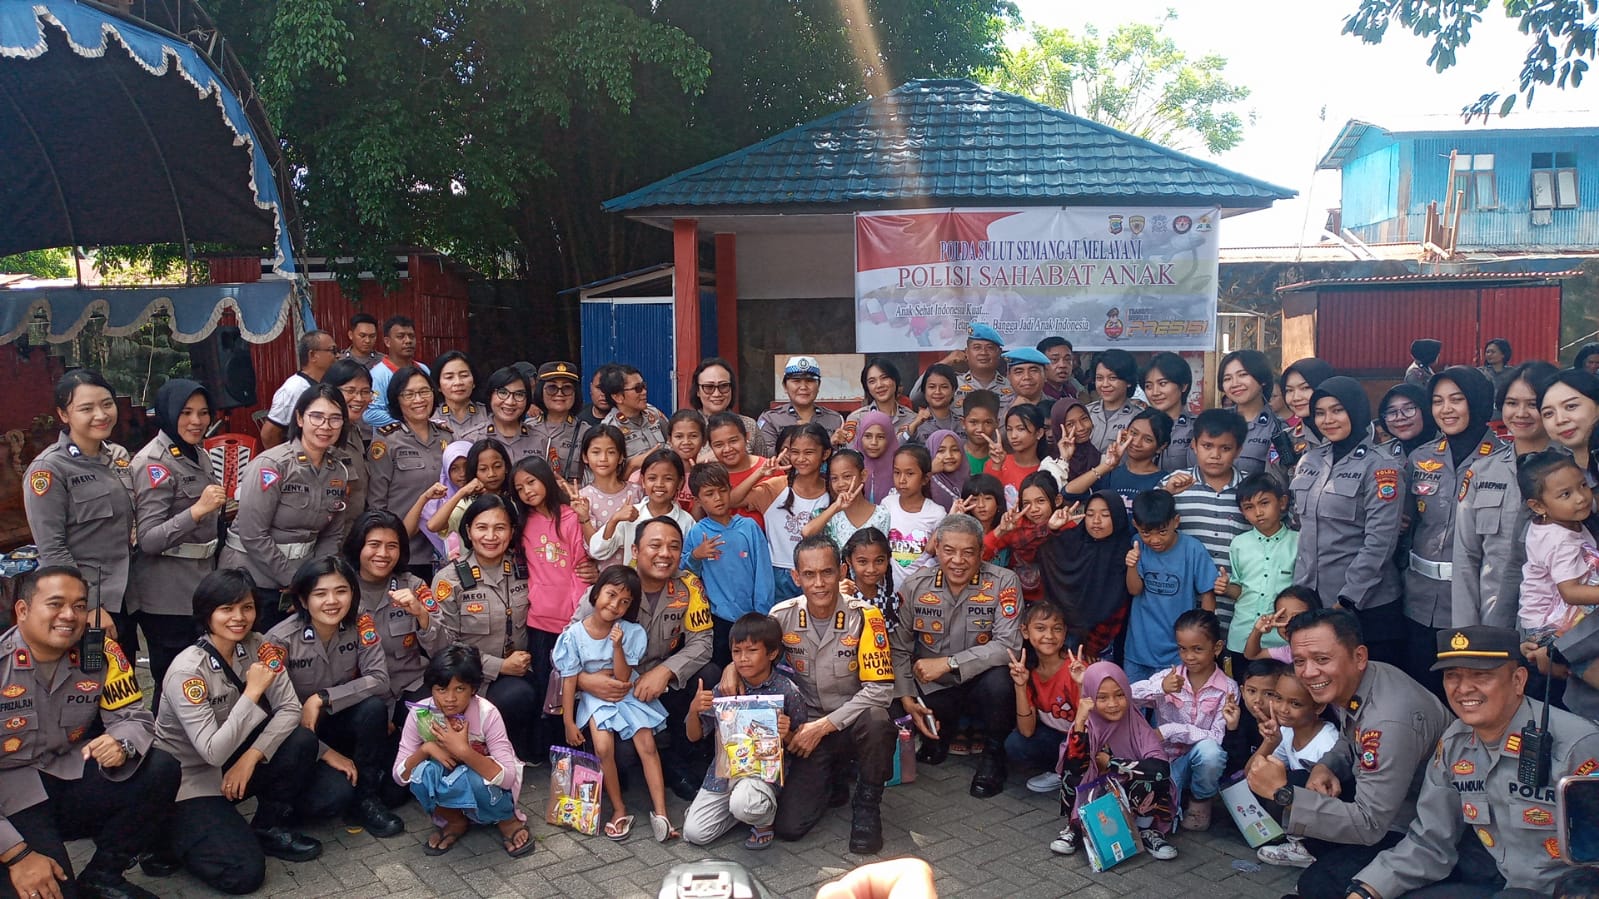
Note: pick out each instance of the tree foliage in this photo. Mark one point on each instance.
(1136, 79)
(55, 263)
(493, 129)
(1565, 34)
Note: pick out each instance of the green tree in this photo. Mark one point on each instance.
(55, 263)
(1136, 79)
(1565, 34)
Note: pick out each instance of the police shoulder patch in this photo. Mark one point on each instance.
(159, 474)
(269, 476)
(39, 481)
(368, 630)
(194, 690)
(378, 450)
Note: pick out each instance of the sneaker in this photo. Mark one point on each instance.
(1290, 854)
(1197, 815)
(1048, 782)
(1065, 843)
(1157, 845)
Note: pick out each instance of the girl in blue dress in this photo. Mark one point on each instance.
(610, 641)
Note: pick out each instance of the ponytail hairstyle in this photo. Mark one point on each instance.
(812, 431)
(924, 461)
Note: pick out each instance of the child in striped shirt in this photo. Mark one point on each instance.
(1207, 495)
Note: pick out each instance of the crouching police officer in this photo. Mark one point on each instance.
(1474, 782)
(75, 756)
(958, 623)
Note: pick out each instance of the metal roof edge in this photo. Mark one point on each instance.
(1438, 278)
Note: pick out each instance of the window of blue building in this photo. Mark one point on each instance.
(1554, 180)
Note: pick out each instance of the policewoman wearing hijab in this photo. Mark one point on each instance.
(1085, 572)
(291, 502)
(335, 661)
(78, 497)
(1299, 381)
(1349, 493)
(1462, 406)
(179, 502)
(1405, 415)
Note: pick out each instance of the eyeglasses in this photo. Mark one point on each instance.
(560, 389)
(425, 393)
(324, 349)
(1400, 413)
(508, 394)
(718, 387)
(327, 419)
(640, 387)
(365, 394)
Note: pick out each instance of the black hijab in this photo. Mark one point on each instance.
(1086, 577)
(1313, 370)
(1348, 392)
(169, 403)
(1423, 401)
(1426, 350)
(1479, 393)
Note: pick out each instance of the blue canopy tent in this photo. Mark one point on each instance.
(139, 128)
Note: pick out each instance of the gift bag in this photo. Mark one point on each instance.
(747, 738)
(1258, 827)
(1109, 836)
(904, 754)
(575, 779)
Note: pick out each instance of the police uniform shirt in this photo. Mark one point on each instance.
(46, 715)
(560, 442)
(677, 624)
(1386, 732)
(1434, 497)
(842, 662)
(350, 666)
(1471, 785)
(1304, 439)
(352, 453)
(520, 443)
(903, 417)
(491, 614)
(1490, 542)
(977, 623)
(965, 383)
(475, 416)
(1109, 425)
(170, 564)
(284, 502)
(401, 465)
(1178, 454)
(645, 433)
(1349, 522)
(773, 421)
(204, 719)
(80, 510)
(406, 643)
(1257, 451)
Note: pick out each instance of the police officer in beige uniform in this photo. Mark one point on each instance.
(802, 377)
(676, 617)
(981, 358)
(291, 501)
(355, 384)
(957, 625)
(456, 384)
(843, 666)
(232, 721)
(335, 660)
(50, 790)
(1472, 782)
(1388, 724)
(178, 501)
(508, 391)
(78, 496)
(410, 623)
(485, 602)
(406, 455)
(642, 425)
(557, 432)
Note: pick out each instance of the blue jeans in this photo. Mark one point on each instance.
(783, 585)
(1203, 762)
(1041, 750)
(1137, 672)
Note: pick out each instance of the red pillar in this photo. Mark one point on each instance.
(686, 301)
(727, 298)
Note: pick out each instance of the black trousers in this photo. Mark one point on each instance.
(989, 697)
(521, 704)
(1337, 864)
(269, 608)
(122, 817)
(362, 733)
(869, 740)
(678, 755)
(1475, 875)
(1384, 631)
(164, 636)
(1421, 650)
(216, 844)
(721, 645)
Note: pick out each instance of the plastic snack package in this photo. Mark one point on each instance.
(575, 779)
(747, 738)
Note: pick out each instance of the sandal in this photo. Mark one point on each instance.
(618, 828)
(760, 838)
(508, 840)
(443, 841)
(662, 827)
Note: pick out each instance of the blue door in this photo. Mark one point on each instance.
(637, 332)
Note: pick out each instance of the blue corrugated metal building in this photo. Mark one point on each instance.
(1528, 182)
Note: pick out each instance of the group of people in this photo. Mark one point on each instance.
(424, 583)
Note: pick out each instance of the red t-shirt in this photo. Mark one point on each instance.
(1055, 699)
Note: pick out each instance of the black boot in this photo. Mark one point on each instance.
(932, 752)
(838, 793)
(276, 839)
(989, 781)
(866, 820)
(370, 813)
(109, 884)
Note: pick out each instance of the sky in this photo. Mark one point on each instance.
(1295, 60)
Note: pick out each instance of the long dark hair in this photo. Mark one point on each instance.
(816, 432)
(539, 470)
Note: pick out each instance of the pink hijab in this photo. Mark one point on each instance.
(1128, 739)
(879, 471)
(946, 487)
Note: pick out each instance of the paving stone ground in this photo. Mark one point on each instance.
(978, 848)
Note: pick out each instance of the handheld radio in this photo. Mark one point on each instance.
(1537, 748)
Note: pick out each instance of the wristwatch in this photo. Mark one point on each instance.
(1284, 795)
(129, 750)
(1356, 888)
(954, 664)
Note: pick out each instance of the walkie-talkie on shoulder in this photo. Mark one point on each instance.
(464, 572)
(1537, 748)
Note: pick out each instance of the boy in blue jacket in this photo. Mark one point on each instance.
(729, 553)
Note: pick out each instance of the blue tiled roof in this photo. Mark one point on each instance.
(936, 142)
